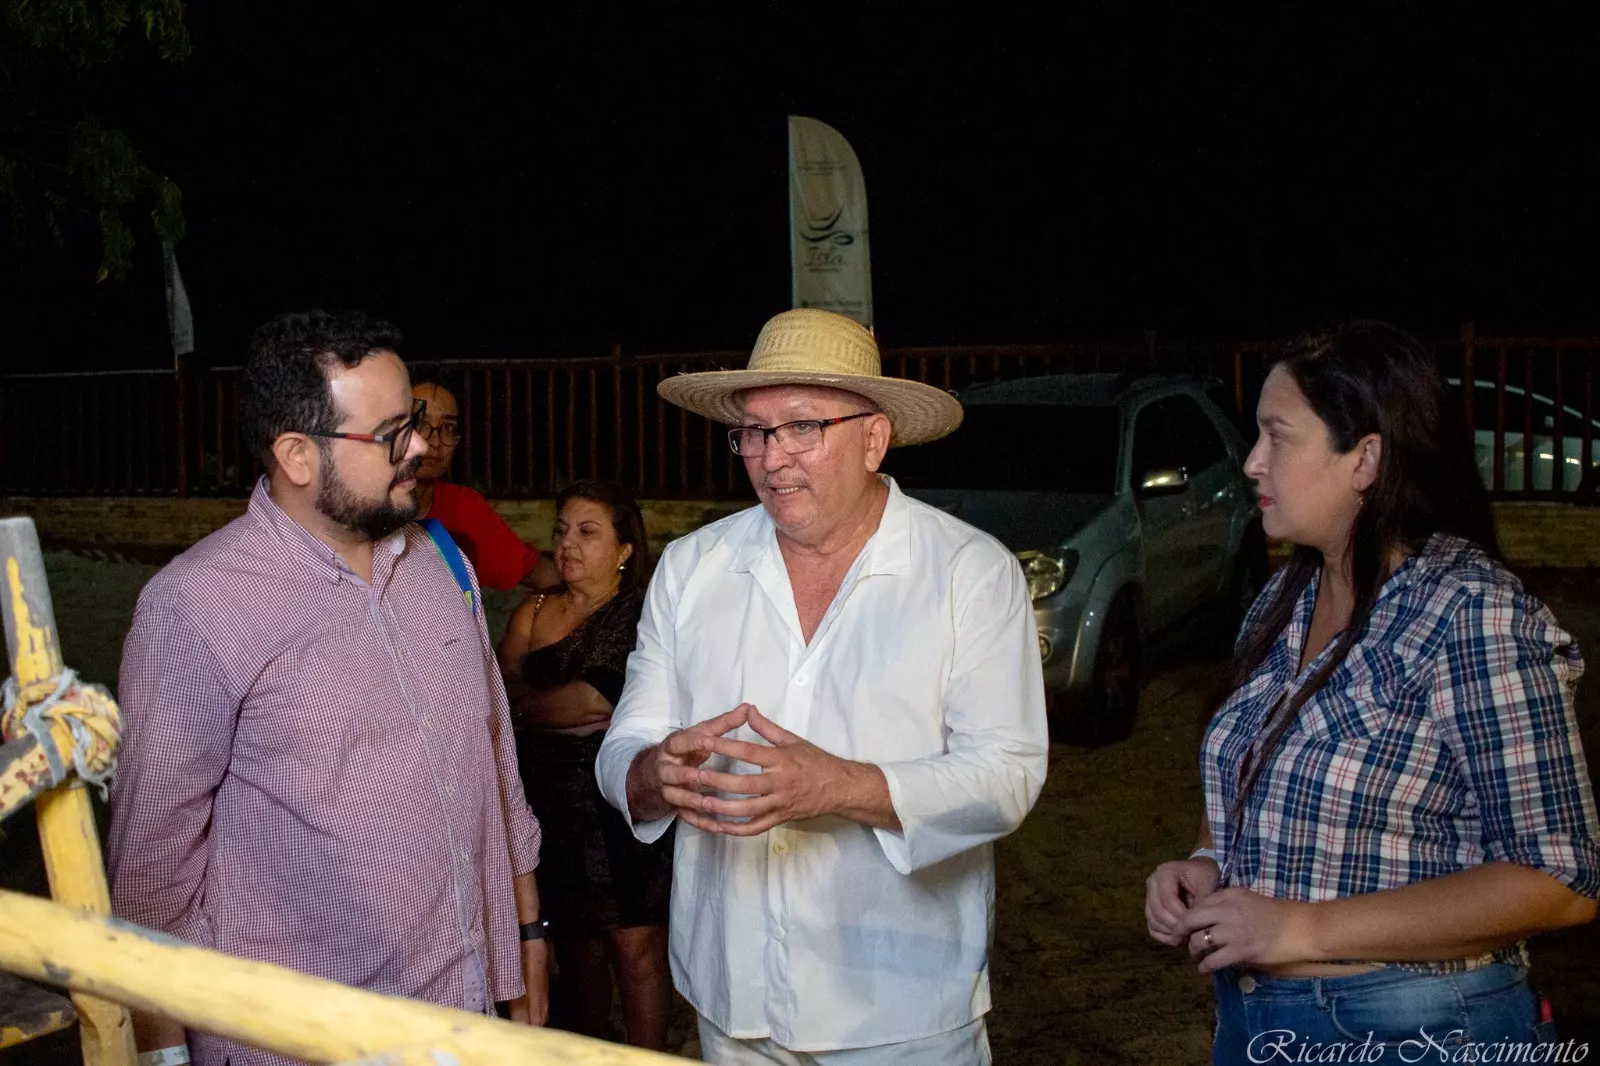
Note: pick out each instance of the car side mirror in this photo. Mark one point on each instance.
(1164, 482)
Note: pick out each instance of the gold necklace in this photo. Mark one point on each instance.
(566, 601)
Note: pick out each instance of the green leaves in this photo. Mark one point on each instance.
(87, 33)
(54, 163)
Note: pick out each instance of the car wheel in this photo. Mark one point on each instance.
(1114, 690)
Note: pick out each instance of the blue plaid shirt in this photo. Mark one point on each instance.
(1445, 739)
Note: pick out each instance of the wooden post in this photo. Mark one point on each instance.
(180, 384)
(67, 833)
(24, 773)
(1469, 374)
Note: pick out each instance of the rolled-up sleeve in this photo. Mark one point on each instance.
(644, 714)
(523, 832)
(178, 720)
(1505, 703)
(988, 778)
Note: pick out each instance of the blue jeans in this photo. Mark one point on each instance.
(1385, 1016)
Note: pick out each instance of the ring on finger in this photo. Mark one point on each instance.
(1205, 934)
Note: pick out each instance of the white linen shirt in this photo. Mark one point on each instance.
(825, 934)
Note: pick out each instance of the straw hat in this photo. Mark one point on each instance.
(811, 347)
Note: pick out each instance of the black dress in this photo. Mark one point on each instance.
(594, 875)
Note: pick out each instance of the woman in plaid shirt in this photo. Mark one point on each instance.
(1396, 795)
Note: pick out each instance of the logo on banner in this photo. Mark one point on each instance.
(821, 239)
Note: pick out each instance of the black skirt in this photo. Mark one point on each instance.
(594, 875)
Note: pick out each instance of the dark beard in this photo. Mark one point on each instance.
(372, 520)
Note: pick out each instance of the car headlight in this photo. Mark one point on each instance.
(1047, 572)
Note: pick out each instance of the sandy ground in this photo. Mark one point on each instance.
(1075, 978)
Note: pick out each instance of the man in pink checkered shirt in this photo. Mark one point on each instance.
(317, 765)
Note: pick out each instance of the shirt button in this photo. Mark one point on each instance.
(801, 679)
(1247, 984)
(466, 858)
(449, 790)
(778, 933)
(780, 848)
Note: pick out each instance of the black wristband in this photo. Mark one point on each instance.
(538, 929)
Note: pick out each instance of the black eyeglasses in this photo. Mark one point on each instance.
(398, 440)
(750, 442)
(444, 434)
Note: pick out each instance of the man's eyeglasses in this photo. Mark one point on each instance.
(445, 434)
(750, 442)
(398, 439)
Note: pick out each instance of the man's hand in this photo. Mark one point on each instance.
(797, 780)
(151, 1033)
(662, 778)
(533, 1006)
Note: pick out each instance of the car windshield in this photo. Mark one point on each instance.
(1018, 447)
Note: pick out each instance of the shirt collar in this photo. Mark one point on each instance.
(887, 551)
(1441, 550)
(299, 542)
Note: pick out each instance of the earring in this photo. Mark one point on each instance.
(622, 566)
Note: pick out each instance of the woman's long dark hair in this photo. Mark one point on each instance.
(626, 519)
(1362, 378)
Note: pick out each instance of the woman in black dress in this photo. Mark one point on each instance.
(564, 658)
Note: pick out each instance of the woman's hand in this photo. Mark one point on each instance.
(1238, 927)
(1171, 891)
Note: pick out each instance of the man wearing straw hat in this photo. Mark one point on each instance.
(839, 694)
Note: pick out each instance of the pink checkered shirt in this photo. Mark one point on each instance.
(318, 772)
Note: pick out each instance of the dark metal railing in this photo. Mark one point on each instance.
(533, 425)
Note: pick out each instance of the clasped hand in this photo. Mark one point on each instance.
(1231, 927)
(795, 778)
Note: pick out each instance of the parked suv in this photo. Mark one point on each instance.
(1124, 500)
(1521, 409)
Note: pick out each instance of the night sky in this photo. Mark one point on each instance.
(535, 187)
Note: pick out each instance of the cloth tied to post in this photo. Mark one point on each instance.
(88, 712)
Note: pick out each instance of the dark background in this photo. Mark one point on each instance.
(506, 187)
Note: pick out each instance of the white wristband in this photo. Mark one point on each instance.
(1207, 853)
(176, 1055)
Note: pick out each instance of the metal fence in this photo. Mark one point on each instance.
(533, 425)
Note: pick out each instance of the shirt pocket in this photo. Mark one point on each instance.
(465, 669)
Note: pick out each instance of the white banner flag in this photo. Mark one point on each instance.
(179, 319)
(828, 222)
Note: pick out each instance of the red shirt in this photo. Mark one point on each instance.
(501, 558)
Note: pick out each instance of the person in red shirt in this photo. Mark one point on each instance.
(502, 559)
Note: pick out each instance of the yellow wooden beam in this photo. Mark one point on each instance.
(440, 1054)
(267, 1006)
(67, 834)
(28, 1011)
(24, 773)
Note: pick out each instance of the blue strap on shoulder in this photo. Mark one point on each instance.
(452, 558)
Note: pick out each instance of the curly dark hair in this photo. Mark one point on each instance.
(285, 386)
(626, 519)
